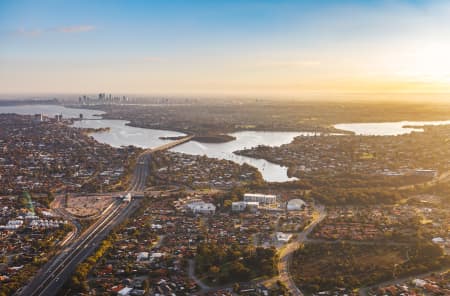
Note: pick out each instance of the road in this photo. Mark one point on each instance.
(49, 280)
(142, 168)
(56, 272)
(365, 291)
(287, 252)
(442, 178)
(355, 242)
(141, 172)
(191, 274)
(57, 206)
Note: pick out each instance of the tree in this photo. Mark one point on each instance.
(236, 287)
(239, 271)
(214, 270)
(227, 203)
(145, 285)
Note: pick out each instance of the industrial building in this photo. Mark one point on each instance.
(240, 206)
(261, 198)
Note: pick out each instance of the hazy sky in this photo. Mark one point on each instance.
(224, 47)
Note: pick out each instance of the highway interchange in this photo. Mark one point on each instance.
(55, 273)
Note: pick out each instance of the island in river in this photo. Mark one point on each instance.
(88, 130)
(221, 138)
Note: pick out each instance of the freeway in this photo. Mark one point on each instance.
(49, 280)
(142, 168)
(52, 277)
(57, 207)
(141, 172)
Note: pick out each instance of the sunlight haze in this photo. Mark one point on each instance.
(274, 48)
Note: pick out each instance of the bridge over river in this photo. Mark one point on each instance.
(142, 168)
(52, 276)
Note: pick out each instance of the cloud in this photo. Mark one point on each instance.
(75, 29)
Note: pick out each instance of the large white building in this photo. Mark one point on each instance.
(142, 256)
(261, 198)
(427, 173)
(295, 204)
(283, 237)
(202, 207)
(240, 206)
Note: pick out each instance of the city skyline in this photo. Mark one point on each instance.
(248, 48)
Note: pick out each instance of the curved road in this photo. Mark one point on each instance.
(55, 273)
(287, 251)
(52, 276)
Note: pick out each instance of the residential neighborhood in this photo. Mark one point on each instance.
(382, 161)
(41, 154)
(200, 171)
(206, 226)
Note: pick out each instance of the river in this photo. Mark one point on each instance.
(51, 111)
(121, 134)
(387, 128)
(271, 172)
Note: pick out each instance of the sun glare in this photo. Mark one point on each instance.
(429, 63)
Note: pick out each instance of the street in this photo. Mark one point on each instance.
(287, 251)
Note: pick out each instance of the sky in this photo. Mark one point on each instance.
(224, 47)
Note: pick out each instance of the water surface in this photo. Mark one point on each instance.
(271, 172)
(121, 134)
(50, 111)
(387, 128)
